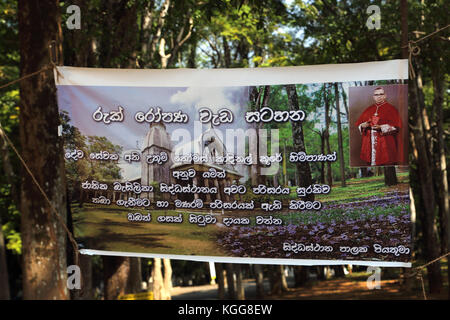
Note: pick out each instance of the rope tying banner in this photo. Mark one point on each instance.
(54, 60)
(57, 215)
(417, 272)
(414, 49)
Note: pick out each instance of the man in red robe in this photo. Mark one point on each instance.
(379, 126)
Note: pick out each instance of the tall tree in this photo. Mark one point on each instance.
(326, 133)
(424, 118)
(115, 272)
(4, 279)
(240, 290)
(231, 283)
(159, 291)
(167, 278)
(44, 256)
(277, 279)
(259, 278)
(303, 168)
(116, 37)
(300, 276)
(426, 191)
(220, 280)
(340, 142)
(438, 73)
(259, 98)
(390, 176)
(9, 173)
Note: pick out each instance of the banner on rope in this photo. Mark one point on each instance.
(239, 165)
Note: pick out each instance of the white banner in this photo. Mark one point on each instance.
(233, 165)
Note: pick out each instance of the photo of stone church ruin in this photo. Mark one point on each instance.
(158, 140)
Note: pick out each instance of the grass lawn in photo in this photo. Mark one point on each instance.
(361, 214)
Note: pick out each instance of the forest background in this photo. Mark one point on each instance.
(34, 249)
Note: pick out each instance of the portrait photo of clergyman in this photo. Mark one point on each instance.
(378, 125)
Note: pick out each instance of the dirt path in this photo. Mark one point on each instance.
(333, 289)
(344, 289)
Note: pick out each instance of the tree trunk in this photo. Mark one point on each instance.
(167, 279)
(344, 98)
(300, 276)
(320, 273)
(322, 164)
(253, 147)
(277, 280)
(441, 173)
(220, 281)
(135, 277)
(146, 26)
(404, 26)
(379, 171)
(240, 290)
(191, 63)
(340, 143)
(284, 284)
(231, 282)
(408, 281)
(259, 277)
(87, 292)
(105, 49)
(115, 272)
(4, 279)
(162, 284)
(259, 98)
(9, 173)
(43, 239)
(390, 176)
(303, 168)
(275, 182)
(426, 191)
(339, 271)
(327, 133)
(117, 49)
(226, 53)
(115, 284)
(158, 280)
(364, 172)
(8, 169)
(184, 34)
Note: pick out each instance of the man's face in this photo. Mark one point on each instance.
(379, 96)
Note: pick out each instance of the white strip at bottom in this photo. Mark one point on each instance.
(276, 261)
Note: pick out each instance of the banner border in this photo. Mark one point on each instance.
(248, 260)
(183, 77)
(238, 77)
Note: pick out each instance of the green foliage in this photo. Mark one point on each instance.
(9, 120)
(244, 34)
(11, 220)
(9, 46)
(86, 168)
(13, 238)
(336, 32)
(185, 271)
(311, 101)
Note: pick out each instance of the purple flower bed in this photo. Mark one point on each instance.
(360, 224)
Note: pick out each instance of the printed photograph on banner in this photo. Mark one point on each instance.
(237, 171)
(378, 118)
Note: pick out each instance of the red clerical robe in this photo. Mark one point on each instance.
(380, 147)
